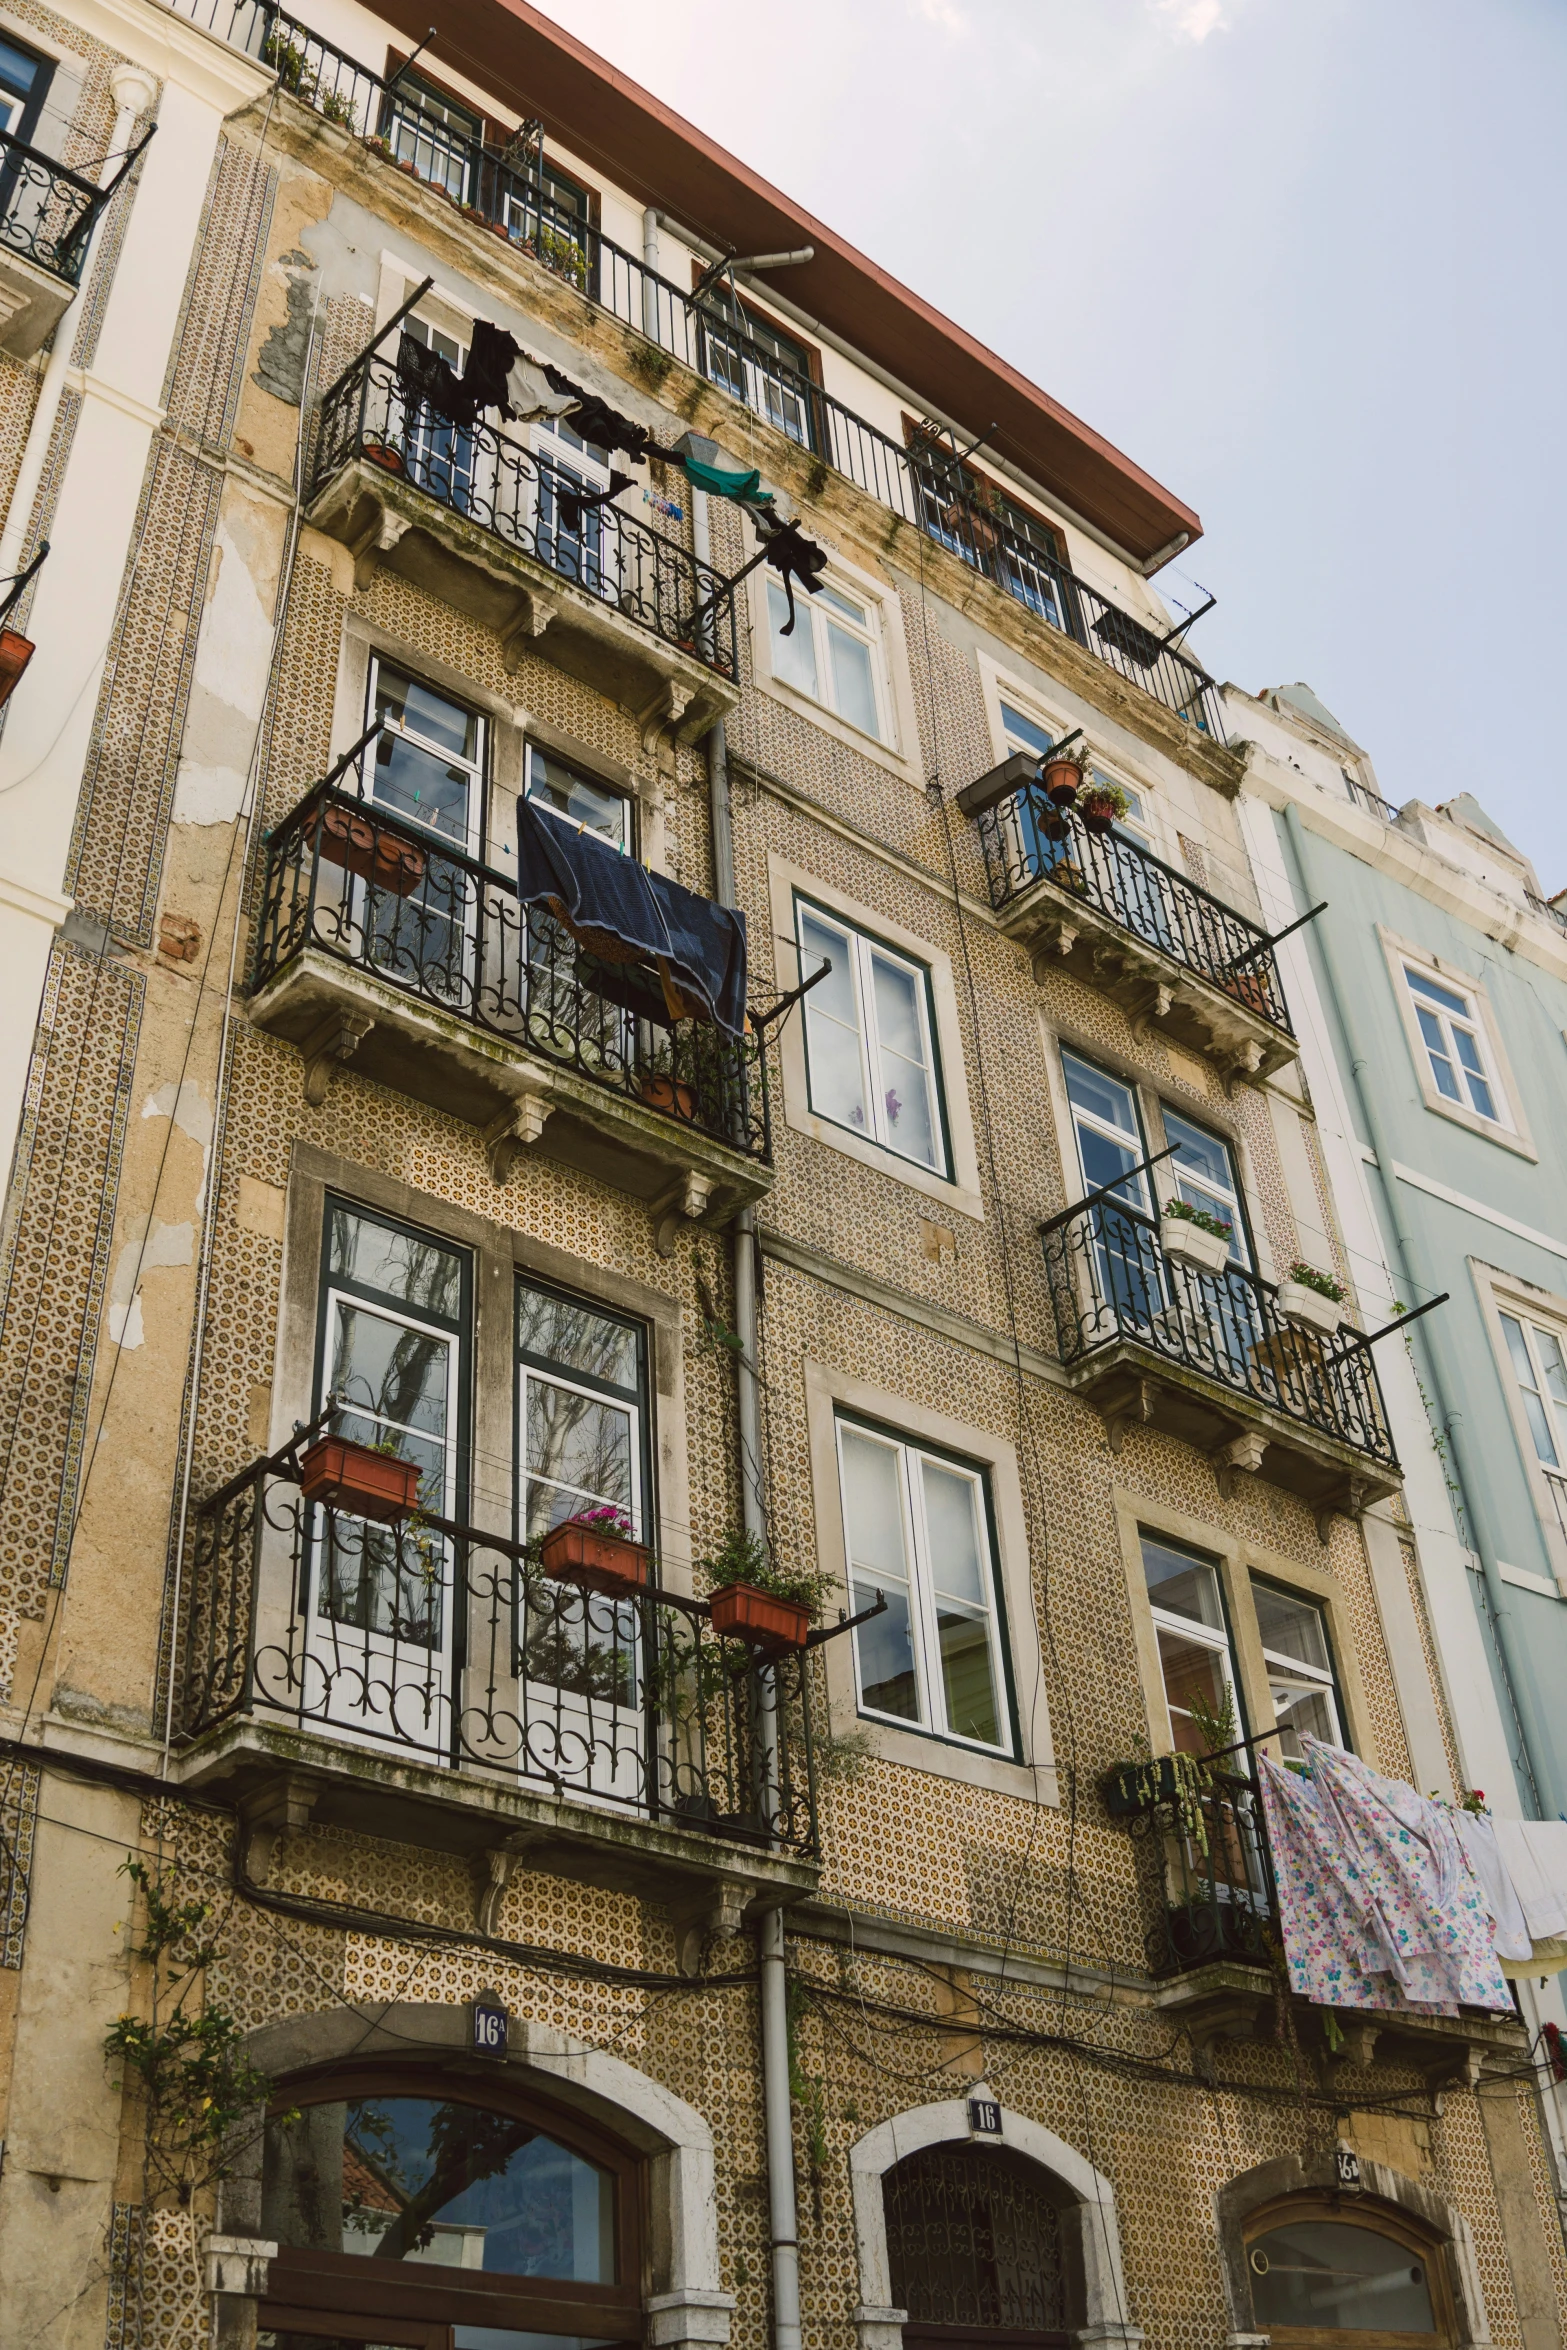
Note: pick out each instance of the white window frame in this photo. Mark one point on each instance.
(818, 615)
(864, 947)
(1001, 687)
(1288, 1668)
(1533, 1324)
(477, 766)
(1199, 1191)
(921, 1586)
(1210, 1636)
(897, 747)
(1510, 1128)
(1436, 999)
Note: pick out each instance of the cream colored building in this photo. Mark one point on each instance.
(837, 2006)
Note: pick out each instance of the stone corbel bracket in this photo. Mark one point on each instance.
(331, 1044)
(493, 1871)
(378, 539)
(282, 1804)
(1351, 1502)
(535, 610)
(719, 1911)
(1132, 1408)
(1243, 1452)
(687, 1201)
(508, 1138)
(682, 712)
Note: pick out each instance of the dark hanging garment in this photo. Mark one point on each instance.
(794, 557)
(427, 377)
(492, 355)
(605, 427)
(669, 953)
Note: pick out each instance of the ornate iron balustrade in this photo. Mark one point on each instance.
(1208, 1874)
(430, 1640)
(502, 486)
(1118, 877)
(503, 190)
(46, 212)
(392, 898)
(1111, 1280)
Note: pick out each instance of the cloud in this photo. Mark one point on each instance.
(945, 16)
(1192, 20)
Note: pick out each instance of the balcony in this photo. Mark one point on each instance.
(503, 191)
(428, 1682)
(381, 943)
(46, 219)
(1150, 1340)
(1173, 955)
(1205, 1877)
(478, 519)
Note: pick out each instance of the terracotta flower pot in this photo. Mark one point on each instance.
(379, 453)
(595, 1559)
(1062, 781)
(1096, 815)
(342, 1475)
(15, 653)
(669, 1093)
(354, 843)
(742, 1612)
(1252, 989)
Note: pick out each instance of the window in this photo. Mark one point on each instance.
(429, 758)
(1194, 1646)
(1023, 733)
(1540, 1368)
(1109, 1131)
(756, 361)
(832, 654)
(917, 1529)
(393, 1340)
(438, 137)
(1205, 1178)
(973, 2242)
(24, 83)
(1300, 1667)
(554, 215)
(1455, 1046)
(439, 454)
(581, 1411)
(1323, 2272)
(869, 1040)
(580, 799)
(455, 2210)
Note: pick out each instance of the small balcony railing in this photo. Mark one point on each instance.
(526, 502)
(1120, 879)
(1208, 1871)
(391, 898)
(46, 212)
(434, 1642)
(1112, 1282)
(503, 189)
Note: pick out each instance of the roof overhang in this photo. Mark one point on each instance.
(654, 155)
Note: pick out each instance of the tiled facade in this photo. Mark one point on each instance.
(972, 1923)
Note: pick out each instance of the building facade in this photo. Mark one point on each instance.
(406, 1943)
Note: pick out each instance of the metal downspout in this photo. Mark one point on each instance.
(783, 2209)
(1412, 1261)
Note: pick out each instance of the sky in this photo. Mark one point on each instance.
(1301, 259)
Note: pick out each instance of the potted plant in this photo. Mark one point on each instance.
(595, 1551)
(1310, 1298)
(352, 841)
(752, 1599)
(661, 1089)
(366, 1480)
(16, 651)
(1195, 1237)
(1066, 772)
(383, 454)
(1102, 805)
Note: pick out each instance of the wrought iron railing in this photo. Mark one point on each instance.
(434, 1641)
(1028, 839)
(1547, 909)
(1208, 1872)
(46, 212)
(391, 897)
(529, 503)
(1111, 1280)
(1369, 802)
(504, 190)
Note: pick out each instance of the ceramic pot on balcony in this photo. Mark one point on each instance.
(1062, 780)
(1189, 1244)
(339, 1474)
(742, 1612)
(1130, 1788)
(669, 1093)
(1098, 815)
(1252, 990)
(1308, 1309)
(383, 454)
(15, 653)
(353, 842)
(596, 1558)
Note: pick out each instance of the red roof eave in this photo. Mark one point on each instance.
(645, 148)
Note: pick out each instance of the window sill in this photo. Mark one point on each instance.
(945, 1758)
(885, 1162)
(1486, 1128)
(853, 737)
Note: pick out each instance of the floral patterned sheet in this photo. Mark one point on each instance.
(1376, 1902)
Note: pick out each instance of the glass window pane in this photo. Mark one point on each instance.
(840, 603)
(885, 1649)
(873, 1501)
(578, 1450)
(563, 1331)
(400, 1265)
(832, 1025)
(561, 789)
(1303, 1710)
(794, 656)
(1445, 996)
(1555, 1365)
(1187, 1586)
(1533, 1402)
(446, 2184)
(1023, 733)
(1291, 1627)
(1194, 1677)
(1331, 2277)
(432, 716)
(853, 681)
(417, 783)
(907, 1097)
(395, 1384)
(957, 1541)
(1101, 1096)
(967, 1677)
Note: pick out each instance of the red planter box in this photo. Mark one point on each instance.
(354, 843)
(342, 1475)
(745, 1613)
(15, 653)
(598, 1561)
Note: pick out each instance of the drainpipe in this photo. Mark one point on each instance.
(778, 2119)
(650, 263)
(134, 90)
(1445, 1379)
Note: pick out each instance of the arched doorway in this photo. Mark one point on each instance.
(976, 2251)
(1329, 2272)
(417, 2209)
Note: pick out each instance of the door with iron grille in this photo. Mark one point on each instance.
(975, 2246)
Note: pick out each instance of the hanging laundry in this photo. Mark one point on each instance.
(1534, 1853)
(575, 503)
(1477, 1834)
(529, 393)
(604, 427)
(426, 376)
(492, 355)
(1376, 1903)
(794, 557)
(708, 467)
